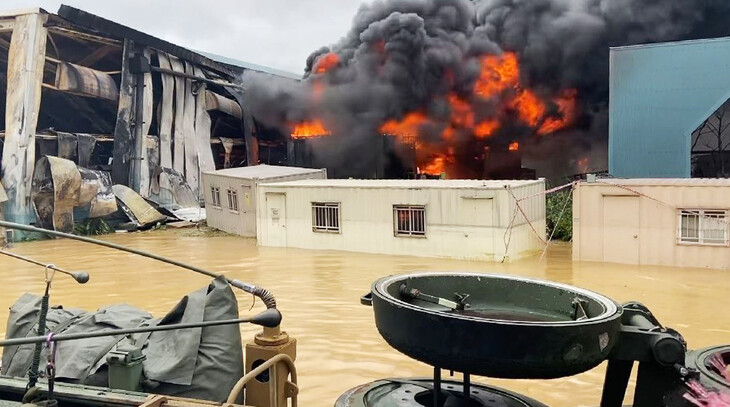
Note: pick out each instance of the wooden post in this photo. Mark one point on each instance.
(26, 58)
(123, 137)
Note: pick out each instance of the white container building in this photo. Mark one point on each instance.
(664, 222)
(230, 201)
(465, 219)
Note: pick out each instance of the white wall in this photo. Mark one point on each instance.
(655, 224)
(243, 222)
(460, 223)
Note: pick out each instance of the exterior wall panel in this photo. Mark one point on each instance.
(460, 223)
(659, 94)
(243, 222)
(658, 223)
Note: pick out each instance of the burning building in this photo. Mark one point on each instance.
(457, 80)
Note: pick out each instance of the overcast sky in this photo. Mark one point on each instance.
(276, 33)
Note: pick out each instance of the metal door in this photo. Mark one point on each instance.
(248, 212)
(621, 229)
(276, 218)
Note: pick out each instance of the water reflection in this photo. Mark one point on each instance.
(318, 293)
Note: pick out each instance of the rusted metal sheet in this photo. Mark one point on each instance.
(182, 193)
(96, 193)
(84, 81)
(67, 146)
(214, 101)
(86, 145)
(165, 125)
(249, 129)
(178, 135)
(147, 106)
(153, 157)
(135, 207)
(123, 140)
(202, 127)
(191, 145)
(55, 192)
(26, 58)
(228, 149)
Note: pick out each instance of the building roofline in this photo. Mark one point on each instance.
(669, 44)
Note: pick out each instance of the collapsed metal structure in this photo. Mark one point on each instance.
(113, 99)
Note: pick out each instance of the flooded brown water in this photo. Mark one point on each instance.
(318, 293)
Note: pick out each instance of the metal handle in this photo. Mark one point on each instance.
(367, 299)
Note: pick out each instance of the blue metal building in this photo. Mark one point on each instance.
(660, 93)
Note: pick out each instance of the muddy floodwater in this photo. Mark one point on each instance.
(318, 293)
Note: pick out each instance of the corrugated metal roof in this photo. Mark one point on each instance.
(669, 182)
(262, 171)
(251, 66)
(405, 183)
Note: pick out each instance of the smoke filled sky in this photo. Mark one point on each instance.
(276, 33)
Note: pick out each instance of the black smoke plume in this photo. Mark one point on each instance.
(402, 56)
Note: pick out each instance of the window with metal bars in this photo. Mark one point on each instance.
(326, 217)
(215, 194)
(409, 220)
(232, 200)
(705, 227)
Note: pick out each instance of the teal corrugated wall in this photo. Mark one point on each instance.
(660, 93)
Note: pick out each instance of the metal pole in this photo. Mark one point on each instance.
(81, 277)
(257, 319)
(136, 164)
(467, 387)
(436, 386)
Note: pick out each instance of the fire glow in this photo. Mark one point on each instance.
(467, 122)
(314, 128)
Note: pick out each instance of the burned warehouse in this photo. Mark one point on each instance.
(91, 104)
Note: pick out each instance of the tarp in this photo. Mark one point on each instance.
(202, 363)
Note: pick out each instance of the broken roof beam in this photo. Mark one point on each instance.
(80, 35)
(214, 101)
(6, 24)
(197, 78)
(83, 81)
(119, 31)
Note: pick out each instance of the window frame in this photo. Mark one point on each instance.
(232, 200)
(411, 232)
(325, 206)
(702, 215)
(215, 196)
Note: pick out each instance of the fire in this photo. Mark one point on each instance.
(407, 129)
(529, 107)
(435, 167)
(498, 73)
(566, 107)
(462, 114)
(313, 128)
(326, 62)
(486, 128)
(472, 118)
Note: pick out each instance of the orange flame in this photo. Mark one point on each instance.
(435, 167)
(514, 146)
(566, 107)
(461, 113)
(314, 128)
(406, 129)
(529, 107)
(486, 128)
(498, 73)
(326, 62)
